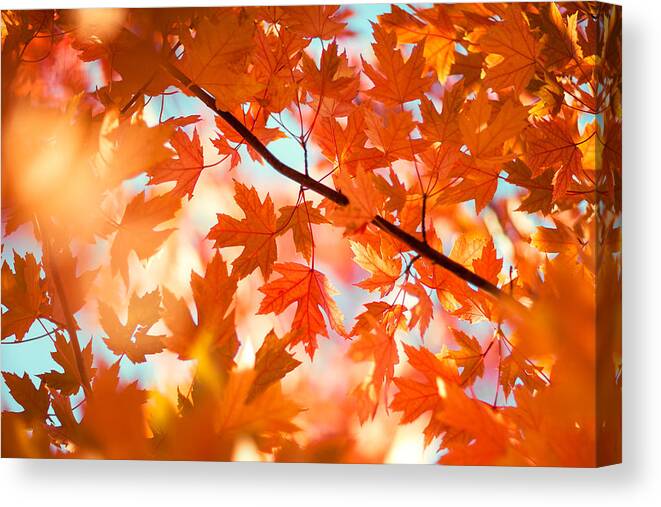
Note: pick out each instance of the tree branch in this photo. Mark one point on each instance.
(306, 181)
(68, 315)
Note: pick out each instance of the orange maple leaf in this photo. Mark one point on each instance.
(312, 293)
(397, 81)
(184, 170)
(272, 362)
(137, 229)
(298, 219)
(256, 233)
(68, 380)
(312, 21)
(214, 334)
(24, 295)
(513, 40)
(133, 339)
(384, 265)
(217, 57)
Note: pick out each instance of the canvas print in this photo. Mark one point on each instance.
(313, 233)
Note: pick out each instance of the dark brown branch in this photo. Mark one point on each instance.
(70, 323)
(306, 181)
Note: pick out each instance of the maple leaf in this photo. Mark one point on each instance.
(276, 56)
(390, 134)
(485, 133)
(434, 26)
(397, 82)
(515, 367)
(113, 423)
(184, 170)
(488, 266)
(68, 381)
(551, 144)
(133, 339)
(563, 240)
(477, 434)
(560, 40)
(312, 293)
(256, 233)
(346, 144)
(384, 266)
(136, 231)
(365, 202)
(469, 66)
(216, 58)
(513, 40)
(35, 401)
(540, 196)
(264, 417)
(272, 363)
(416, 397)
(487, 136)
(444, 126)
(378, 345)
(334, 79)
(298, 219)
(451, 290)
(423, 310)
(214, 333)
(311, 21)
(129, 148)
(23, 294)
(469, 357)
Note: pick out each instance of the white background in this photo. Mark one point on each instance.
(636, 482)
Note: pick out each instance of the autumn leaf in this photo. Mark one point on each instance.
(113, 422)
(424, 392)
(346, 145)
(311, 21)
(552, 145)
(423, 310)
(513, 107)
(384, 266)
(298, 219)
(378, 345)
(365, 202)
(469, 357)
(488, 266)
(214, 333)
(184, 170)
(265, 417)
(434, 26)
(256, 123)
(256, 233)
(562, 239)
(518, 48)
(312, 293)
(272, 363)
(133, 339)
(485, 133)
(128, 149)
(216, 58)
(137, 229)
(390, 134)
(396, 81)
(333, 79)
(23, 294)
(35, 401)
(68, 381)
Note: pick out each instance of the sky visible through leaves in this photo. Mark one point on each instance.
(154, 261)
